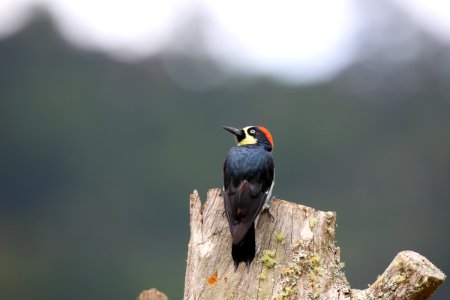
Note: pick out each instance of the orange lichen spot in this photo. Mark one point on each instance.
(287, 271)
(213, 279)
(267, 134)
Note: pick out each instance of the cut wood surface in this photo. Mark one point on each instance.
(296, 258)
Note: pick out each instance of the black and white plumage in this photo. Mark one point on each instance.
(248, 182)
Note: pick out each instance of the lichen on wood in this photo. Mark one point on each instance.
(296, 258)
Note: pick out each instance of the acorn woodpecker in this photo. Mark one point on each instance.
(248, 175)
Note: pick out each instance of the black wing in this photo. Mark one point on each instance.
(245, 195)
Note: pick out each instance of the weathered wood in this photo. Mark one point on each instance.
(152, 294)
(296, 258)
(409, 276)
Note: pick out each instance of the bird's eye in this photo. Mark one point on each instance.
(252, 131)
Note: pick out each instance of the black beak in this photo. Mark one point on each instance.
(239, 133)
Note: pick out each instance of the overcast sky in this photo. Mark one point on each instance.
(297, 40)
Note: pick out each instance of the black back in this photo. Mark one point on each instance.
(248, 178)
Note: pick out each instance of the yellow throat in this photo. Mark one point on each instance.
(248, 140)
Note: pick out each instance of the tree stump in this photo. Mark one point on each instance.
(296, 258)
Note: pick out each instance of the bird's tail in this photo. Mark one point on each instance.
(245, 250)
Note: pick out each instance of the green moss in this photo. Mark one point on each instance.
(341, 265)
(287, 291)
(331, 230)
(312, 222)
(281, 238)
(262, 275)
(304, 263)
(316, 292)
(398, 278)
(268, 258)
(297, 244)
(311, 277)
(314, 261)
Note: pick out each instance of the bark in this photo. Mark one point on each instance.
(296, 258)
(152, 294)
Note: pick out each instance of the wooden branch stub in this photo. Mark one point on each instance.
(152, 294)
(409, 276)
(296, 258)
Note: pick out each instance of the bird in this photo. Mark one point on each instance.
(248, 180)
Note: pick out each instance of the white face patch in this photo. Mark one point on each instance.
(248, 140)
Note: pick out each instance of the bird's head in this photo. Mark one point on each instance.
(252, 135)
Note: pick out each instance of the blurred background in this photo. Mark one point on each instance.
(111, 114)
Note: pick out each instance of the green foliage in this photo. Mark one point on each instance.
(98, 159)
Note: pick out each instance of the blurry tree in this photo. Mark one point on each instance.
(98, 158)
